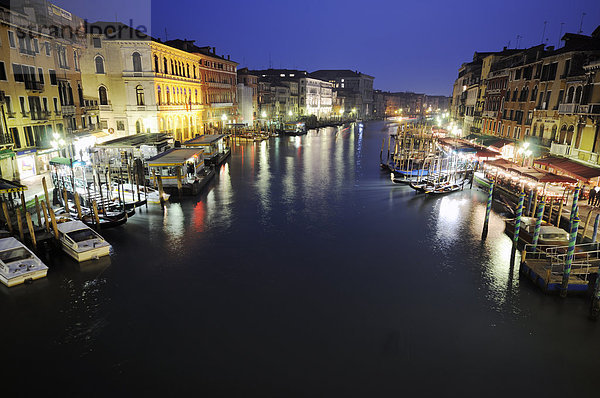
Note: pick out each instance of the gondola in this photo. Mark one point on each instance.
(109, 220)
(443, 189)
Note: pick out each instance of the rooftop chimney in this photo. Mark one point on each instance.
(215, 50)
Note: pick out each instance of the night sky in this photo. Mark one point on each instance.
(408, 46)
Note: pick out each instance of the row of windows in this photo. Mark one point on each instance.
(30, 45)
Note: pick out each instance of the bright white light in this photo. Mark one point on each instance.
(290, 113)
(55, 135)
(341, 111)
(264, 114)
(224, 117)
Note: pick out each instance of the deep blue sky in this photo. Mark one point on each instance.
(407, 45)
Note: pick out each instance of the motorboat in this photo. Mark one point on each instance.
(81, 242)
(18, 264)
(549, 234)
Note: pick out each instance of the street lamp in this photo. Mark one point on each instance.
(223, 120)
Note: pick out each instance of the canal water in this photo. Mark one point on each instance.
(302, 271)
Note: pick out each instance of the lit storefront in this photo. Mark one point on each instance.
(26, 163)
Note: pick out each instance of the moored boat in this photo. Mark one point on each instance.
(549, 234)
(18, 264)
(81, 242)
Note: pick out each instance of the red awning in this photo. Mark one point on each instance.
(570, 167)
(486, 153)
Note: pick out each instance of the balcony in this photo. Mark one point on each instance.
(68, 110)
(179, 107)
(560, 149)
(26, 51)
(574, 153)
(105, 108)
(589, 109)
(220, 85)
(585, 156)
(221, 104)
(568, 108)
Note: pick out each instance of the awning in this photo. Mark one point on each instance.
(570, 167)
(486, 153)
(7, 186)
(63, 161)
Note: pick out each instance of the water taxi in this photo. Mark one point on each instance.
(18, 264)
(549, 234)
(81, 242)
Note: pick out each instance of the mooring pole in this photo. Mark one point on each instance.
(20, 224)
(37, 210)
(45, 188)
(560, 209)
(7, 217)
(587, 222)
(529, 202)
(518, 218)
(488, 209)
(569, 259)
(31, 230)
(46, 216)
(538, 225)
(595, 233)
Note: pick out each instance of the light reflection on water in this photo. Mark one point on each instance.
(301, 252)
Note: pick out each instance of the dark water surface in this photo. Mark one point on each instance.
(301, 272)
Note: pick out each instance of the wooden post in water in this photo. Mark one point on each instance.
(37, 210)
(31, 230)
(45, 188)
(179, 185)
(538, 225)
(560, 209)
(66, 201)
(595, 233)
(585, 226)
(488, 209)
(23, 202)
(7, 217)
(20, 223)
(569, 259)
(53, 219)
(96, 217)
(535, 202)
(160, 189)
(46, 216)
(551, 210)
(78, 206)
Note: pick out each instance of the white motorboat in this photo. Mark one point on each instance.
(18, 264)
(81, 242)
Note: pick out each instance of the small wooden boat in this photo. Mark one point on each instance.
(81, 242)
(109, 220)
(18, 264)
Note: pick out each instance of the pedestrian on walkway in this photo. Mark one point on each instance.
(597, 196)
(592, 197)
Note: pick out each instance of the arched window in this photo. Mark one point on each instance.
(156, 64)
(570, 93)
(554, 129)
(542, 130)
(102, 95)
(165, 66)
(158, 96)
(188, 70)
(570, 132)
(172, 68)
(196, 94)
(524, 94)
(138, 127)
(534, 130)
(194, 71)
(577, 98)
(99, 64)
(168, 97)
(139, 95)
(137, 62)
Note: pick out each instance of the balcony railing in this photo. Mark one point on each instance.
(568, 108)
(68, 110)
(574, 153)
(586, 156)
(560, 149)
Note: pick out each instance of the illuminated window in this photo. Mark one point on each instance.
(139, 95)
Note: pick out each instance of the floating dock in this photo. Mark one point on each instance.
(545, 267)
